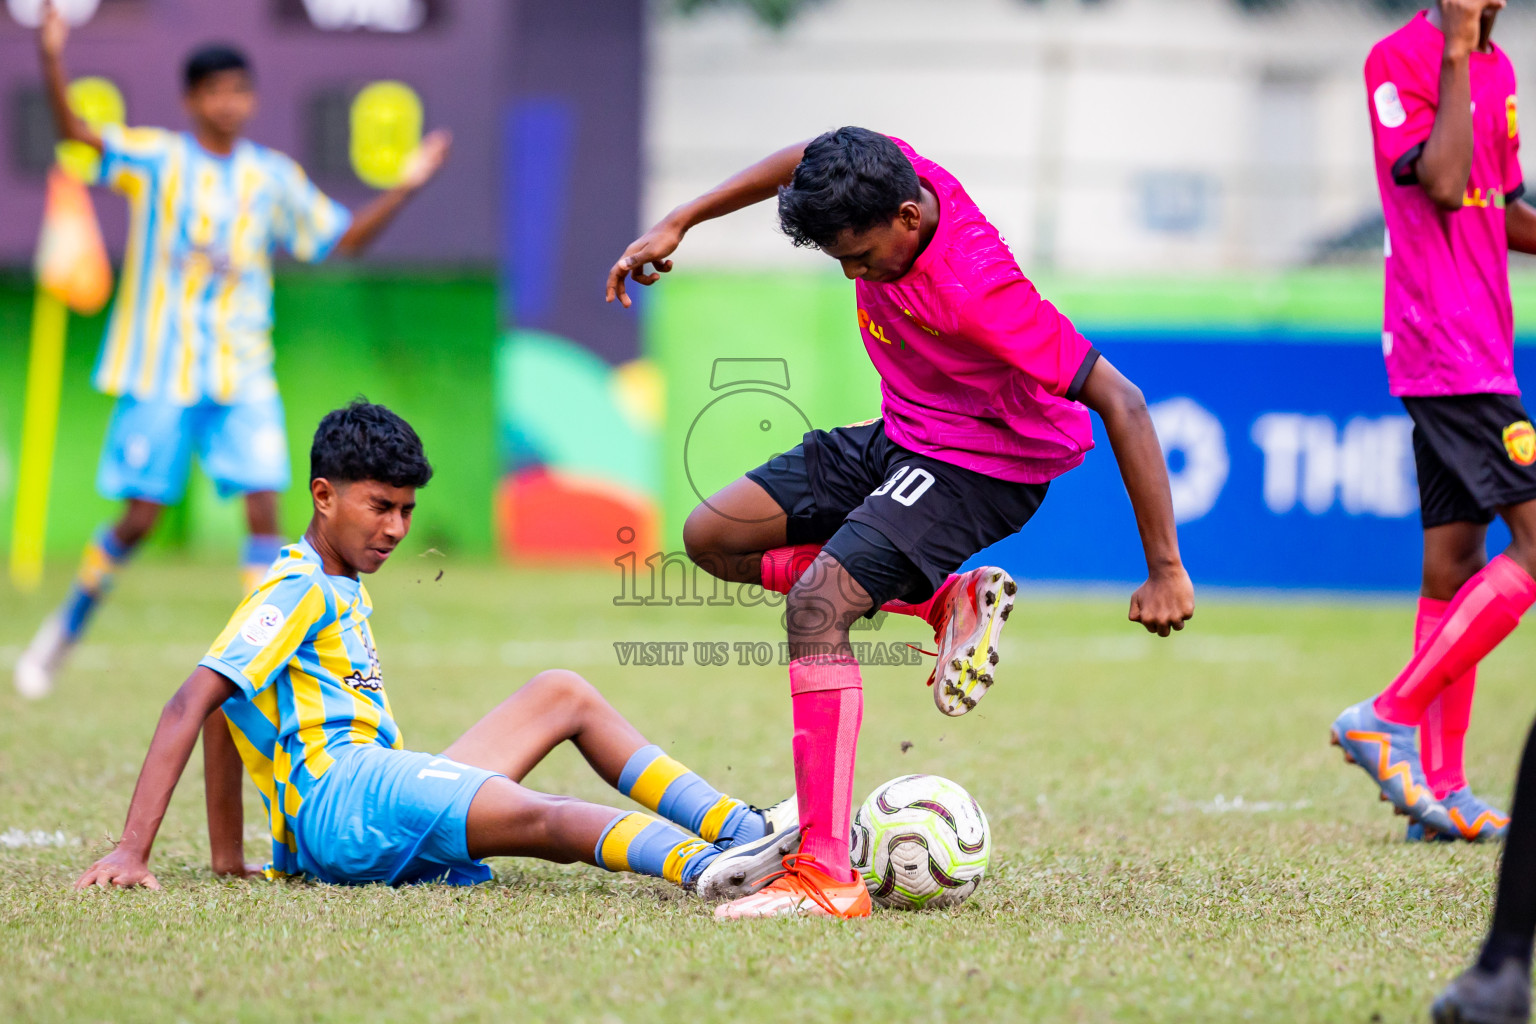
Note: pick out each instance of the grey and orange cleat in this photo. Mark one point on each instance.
(1472, 819)
(1388, 753)
(979, 604)
(1479, 996)
(743, 870)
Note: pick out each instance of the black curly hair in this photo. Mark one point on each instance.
(849, 179)
(368, 442)
(208, 60)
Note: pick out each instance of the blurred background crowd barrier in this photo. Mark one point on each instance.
(1190, 180)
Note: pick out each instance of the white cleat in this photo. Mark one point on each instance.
(743, 870)
(967, 645)
(782, 816)
(40, 662)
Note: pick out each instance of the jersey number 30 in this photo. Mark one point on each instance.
(908, 487)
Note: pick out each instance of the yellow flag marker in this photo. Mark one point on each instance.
(386, 120)
(72, 273)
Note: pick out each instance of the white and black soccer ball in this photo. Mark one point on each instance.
(920, 841)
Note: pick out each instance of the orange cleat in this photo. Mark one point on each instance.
(801, 888)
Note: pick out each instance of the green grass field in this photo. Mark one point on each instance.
(1172, 838)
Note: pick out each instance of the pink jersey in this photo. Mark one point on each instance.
(976, 369)
(1448, 328)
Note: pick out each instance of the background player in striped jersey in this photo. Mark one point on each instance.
(295, 677)
(188, 349)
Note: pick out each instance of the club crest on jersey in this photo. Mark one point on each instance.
(1520, 442)
(374, 680)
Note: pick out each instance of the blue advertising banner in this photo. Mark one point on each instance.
(1291, 467)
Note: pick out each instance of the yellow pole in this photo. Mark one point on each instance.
(39, 430)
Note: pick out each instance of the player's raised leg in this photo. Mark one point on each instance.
(1453, 554)
(558, 706)
(1378, 734)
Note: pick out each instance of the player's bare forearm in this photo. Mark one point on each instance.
(51, 34)
(1167, 599)
(222, 775)
(1446, 163)
(1520, 225)
(175, 735)
(754, 185)
(369, 222)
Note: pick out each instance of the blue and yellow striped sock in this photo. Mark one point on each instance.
(654, 780)
(638, 842)
(261, 550)
(98, 564)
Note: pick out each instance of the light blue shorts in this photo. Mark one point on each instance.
(393, 816)
(149, 448)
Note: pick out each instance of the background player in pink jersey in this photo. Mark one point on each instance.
(984, 386)
(1446, 127)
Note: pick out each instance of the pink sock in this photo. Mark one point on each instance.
(1444, 728)
(828, 697)
(782, 567)
(1485, 610)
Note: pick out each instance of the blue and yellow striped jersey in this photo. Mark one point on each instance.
(193, 314)
(300, 650)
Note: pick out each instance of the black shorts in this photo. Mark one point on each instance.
(897, 521)
(1475, 454)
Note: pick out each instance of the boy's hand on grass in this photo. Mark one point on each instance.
(121, 868)
(1165, 602)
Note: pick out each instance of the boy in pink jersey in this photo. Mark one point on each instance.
(1444, 118)
(984, 386)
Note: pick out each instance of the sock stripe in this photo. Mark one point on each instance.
(677, 860)
(613, 845)
(716, 817)
(651, 786)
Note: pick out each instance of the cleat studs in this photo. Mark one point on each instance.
(956, 665)
(1010, 588)
(991, 599)
(970, 652)
(1007, 611)
(985, 679)
(992, 656)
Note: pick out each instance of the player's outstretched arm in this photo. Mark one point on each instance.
(223, 774)
(372, 219)
(1167, 599)
(759, 182)
(175, 736)
(52, 33)
(1446, 162)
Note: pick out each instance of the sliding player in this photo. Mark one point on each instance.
(295, 675)
(188, 350)
(984, 385)
(1443, 112)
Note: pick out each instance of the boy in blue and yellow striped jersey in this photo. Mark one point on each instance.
(292, 689)
(188, 350)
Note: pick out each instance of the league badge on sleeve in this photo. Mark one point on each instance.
(1389, 106)
(1520, 442)
(265, 621)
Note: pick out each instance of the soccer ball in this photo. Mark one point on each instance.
(920, 841)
